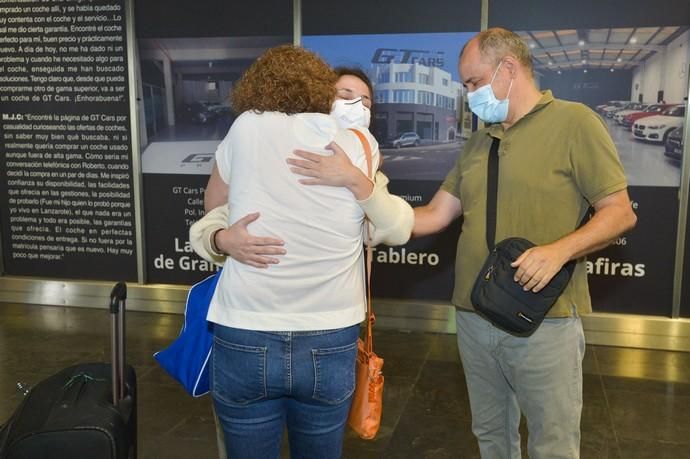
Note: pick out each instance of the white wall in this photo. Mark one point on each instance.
(676, 75)
(667, 71)
(651, 80)
(637, 84)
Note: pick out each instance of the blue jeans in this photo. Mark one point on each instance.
(263, 381)
(539, 376)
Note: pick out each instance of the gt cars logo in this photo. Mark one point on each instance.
(408, 56)
(197, 159)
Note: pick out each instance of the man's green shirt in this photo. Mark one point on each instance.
(554, 162)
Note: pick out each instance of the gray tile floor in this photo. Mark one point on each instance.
(636, 402)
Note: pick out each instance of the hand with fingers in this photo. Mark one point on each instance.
(333, 170)
(238, 243)
(537, 266)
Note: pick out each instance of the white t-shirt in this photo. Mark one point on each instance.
(319, 282)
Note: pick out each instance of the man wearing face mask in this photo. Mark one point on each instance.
(556, 159)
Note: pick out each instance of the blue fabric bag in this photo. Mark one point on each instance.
(187, 358)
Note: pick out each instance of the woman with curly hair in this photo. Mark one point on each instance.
(285, 338)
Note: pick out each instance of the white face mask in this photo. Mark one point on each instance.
(485, 105)
(351, 113)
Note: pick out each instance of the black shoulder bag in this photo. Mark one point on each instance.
(495, 295)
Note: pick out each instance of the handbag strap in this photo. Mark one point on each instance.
(369, 343)
(492, 196)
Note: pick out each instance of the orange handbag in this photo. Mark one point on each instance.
(367, 401)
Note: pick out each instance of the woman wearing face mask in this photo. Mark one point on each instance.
(285, 337)
(353, 104)
(390, 216)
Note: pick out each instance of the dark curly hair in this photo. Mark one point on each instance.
(358, 73)
(286, 79)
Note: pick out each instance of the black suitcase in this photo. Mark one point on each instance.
(84, 411)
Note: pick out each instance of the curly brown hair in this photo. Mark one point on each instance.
(286, 79)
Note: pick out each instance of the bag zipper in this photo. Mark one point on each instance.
(489, 271)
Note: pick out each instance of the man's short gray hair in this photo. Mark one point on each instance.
(496, 43)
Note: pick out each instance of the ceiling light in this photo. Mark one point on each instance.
(633, 40)
(619, 60)
(581, 43)
(585, 70)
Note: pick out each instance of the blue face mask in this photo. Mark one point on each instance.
(485, 105)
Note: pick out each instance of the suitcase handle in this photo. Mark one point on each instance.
(119, 293)
(118, 350)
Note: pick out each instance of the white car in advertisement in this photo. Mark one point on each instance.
(656, 128)
(637, 107)
(610, 104)
(610, 110)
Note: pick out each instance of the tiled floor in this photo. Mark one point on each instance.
(637, 402)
